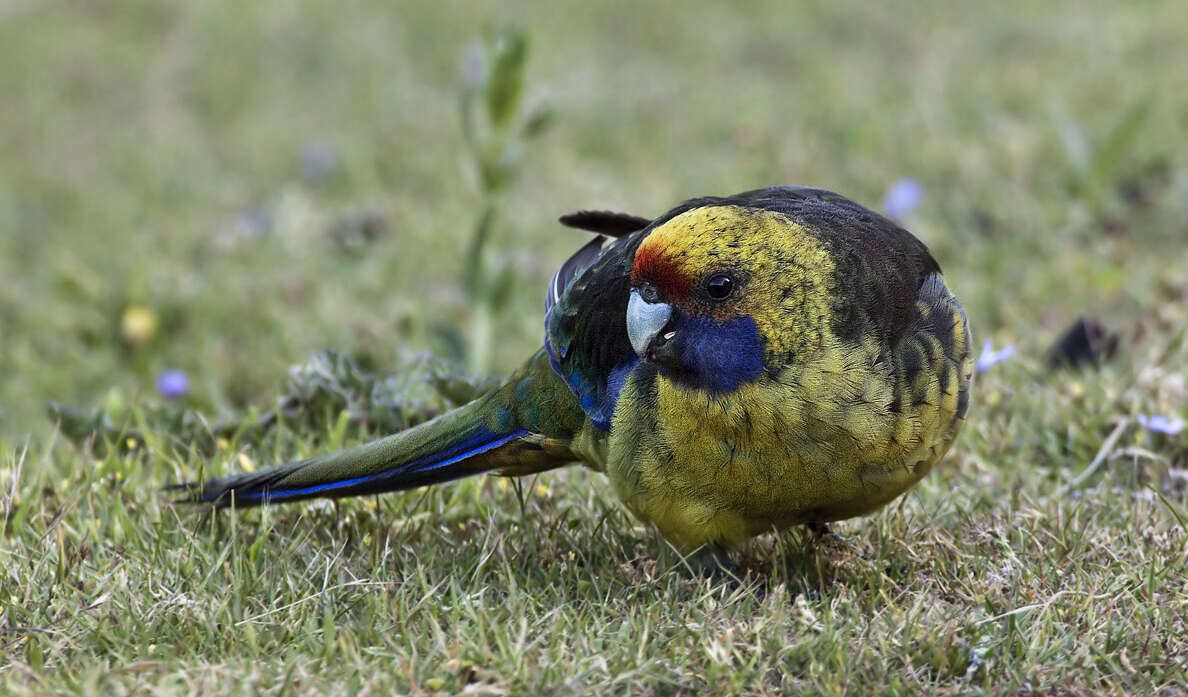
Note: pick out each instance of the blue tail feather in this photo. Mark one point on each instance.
(474, 446)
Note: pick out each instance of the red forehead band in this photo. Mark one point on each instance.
(651, 266)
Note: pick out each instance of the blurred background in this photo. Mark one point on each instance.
(195, 196)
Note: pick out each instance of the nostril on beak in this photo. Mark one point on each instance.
(645, 322)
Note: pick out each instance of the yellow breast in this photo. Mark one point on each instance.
(820, 442)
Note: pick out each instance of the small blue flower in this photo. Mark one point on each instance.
(1171, 425)
(252, 223)
(173, 384)
(902, 197)
(474, 65)
(991, 358)
(318, 160)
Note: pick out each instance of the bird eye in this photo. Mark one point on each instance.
(719, 286)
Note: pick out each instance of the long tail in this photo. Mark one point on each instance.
(494, 432)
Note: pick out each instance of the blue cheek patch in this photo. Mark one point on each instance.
(714, 357)
(722, 357)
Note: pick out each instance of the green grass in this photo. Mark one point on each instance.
(135, 136)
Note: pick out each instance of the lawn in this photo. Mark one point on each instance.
(229, 189)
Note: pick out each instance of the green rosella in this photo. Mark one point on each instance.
(734, 366)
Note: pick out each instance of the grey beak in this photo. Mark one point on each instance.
(644, 321)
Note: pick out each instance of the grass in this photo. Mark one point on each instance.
(152, 163)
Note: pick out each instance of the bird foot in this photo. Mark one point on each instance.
(823, 531)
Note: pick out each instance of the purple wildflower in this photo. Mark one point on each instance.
(173, 384)
(902, 197)
(318, 160)
(1171, 425)
(991, 358)
(474, 65)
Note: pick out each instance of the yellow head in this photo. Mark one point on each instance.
(722, 292)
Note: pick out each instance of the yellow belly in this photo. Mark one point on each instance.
(819, 443)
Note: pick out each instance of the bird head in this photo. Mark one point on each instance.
(722, 294)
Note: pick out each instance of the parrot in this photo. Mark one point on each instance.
(738, 365)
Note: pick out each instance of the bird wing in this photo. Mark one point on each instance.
(585, 324)
(607, 224)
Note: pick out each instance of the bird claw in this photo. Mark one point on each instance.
(823, 531)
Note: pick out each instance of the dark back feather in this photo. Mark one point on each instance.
(573, 266)
(610, 223)
(879, 266)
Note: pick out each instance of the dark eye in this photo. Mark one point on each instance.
(720, 286)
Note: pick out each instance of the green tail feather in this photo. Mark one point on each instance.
(524, 426)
